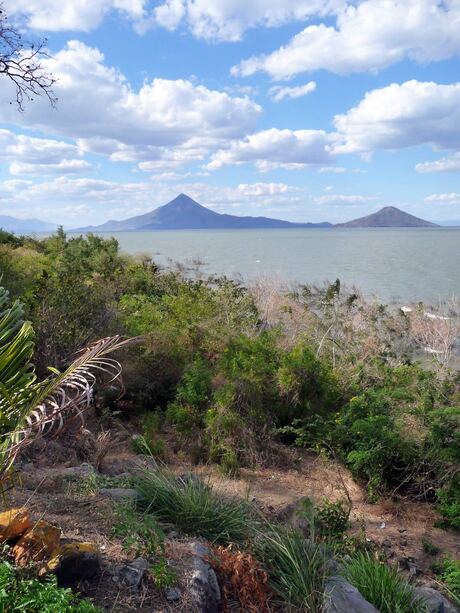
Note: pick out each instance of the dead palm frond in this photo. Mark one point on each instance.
(31, 409)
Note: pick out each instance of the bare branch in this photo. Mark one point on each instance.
(21, 63)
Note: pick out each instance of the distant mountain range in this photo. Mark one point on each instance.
(183, 213)
(388, 217)
(25, 226)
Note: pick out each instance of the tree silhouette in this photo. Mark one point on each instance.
(21, 63)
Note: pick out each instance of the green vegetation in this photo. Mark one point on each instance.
(139, 534)
(232, 370)
(382, 586)
(20, 593)
(297, 567)
(193, 507)
(448, 571)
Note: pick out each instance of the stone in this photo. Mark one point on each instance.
(39, 543)
(414, 570)
(386, 543)
(73, 562)
(403, 542)
(120, 494)
(13, 523)
(173, 594)
(437, 603)
(82, 471)
(132, 574)
(342, 597)
(204, 588)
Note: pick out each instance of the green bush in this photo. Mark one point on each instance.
(297, 567)
(448, 571)
(140, 534)
(382, 586)
(449, 504)
(193, 507)
(20, 593)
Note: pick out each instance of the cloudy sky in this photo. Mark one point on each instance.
(306, 110)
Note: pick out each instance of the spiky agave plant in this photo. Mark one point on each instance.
(31, 409)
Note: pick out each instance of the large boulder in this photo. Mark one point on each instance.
(342, 597)
(204, 587)
(13, 523)
(437, 603)
(37, 544)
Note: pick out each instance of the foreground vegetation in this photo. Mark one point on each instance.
(229, 371)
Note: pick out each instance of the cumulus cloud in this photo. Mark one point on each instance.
(447, 164)
(452, 198)
(275, 148)
(28, 155)
(279, 93)
(399, 116)
(227, 20)
(368, 36)
(85, 15)
(98, 106)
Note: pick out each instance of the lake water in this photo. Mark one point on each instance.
(395, 264)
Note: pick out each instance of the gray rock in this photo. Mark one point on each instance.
(342, 597)
(120, 494)
(204, 587)
(133, 574)
(437, 603)
(115, 468)
(173, 594)
(82, 471)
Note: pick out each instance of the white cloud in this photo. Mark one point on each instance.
(370, 36)
(447, 164)
(164, 119)
(344, 199)
(399, 116)
(336, 170)
(29, 155)
(275, 148)
(228, 19)
(85, 15)
(279, 93)
(60, 168)
(452, 198)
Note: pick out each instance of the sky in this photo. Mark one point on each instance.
(306, 110)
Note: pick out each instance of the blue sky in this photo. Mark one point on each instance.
(307, 110)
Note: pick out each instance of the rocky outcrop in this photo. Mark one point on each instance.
(342, 597)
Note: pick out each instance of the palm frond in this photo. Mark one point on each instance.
(43, 408)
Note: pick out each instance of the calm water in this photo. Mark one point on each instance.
(394, 264)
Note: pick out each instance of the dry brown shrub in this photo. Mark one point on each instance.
(242, 578)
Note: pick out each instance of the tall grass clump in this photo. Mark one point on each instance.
(194, 508)
(297, 566)
(382, 586)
